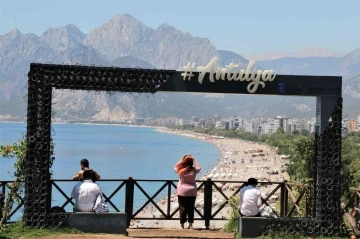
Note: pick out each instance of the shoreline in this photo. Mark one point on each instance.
(234, 166)
(178, 132)
(87, 123)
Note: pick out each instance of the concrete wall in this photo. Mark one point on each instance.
(110, 222)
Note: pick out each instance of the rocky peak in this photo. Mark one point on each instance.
(351, 62)
(167, 27)
(354, 55)
(63, 38)
(21, 47)
(117, 37)
(13, 33)
(9, 37)
(124, 35)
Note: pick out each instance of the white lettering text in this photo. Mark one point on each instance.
(255, 77)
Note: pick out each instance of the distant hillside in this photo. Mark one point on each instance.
(127, 42)
(302, 53)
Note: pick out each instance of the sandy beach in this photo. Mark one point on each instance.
(239, 161)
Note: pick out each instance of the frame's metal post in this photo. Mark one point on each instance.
(328, 163)
(207, 202)
(129, 200)
(38, 143)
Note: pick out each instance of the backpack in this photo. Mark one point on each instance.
(100, 205)
(57, 209)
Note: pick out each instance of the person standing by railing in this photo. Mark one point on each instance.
(187, 169)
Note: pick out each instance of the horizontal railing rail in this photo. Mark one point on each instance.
(4, 185)
(207, 209)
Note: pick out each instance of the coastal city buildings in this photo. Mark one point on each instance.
(260, 126)
(255, 126)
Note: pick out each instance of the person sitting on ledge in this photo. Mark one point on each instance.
(85, 193)
(84, 165)
(250, 199)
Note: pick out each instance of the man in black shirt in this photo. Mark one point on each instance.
(84, 165)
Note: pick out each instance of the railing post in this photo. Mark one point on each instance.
(207, 202)
(283, 200)
(3, 188)
(286, 202)
(2, 198)
(168, 199)
(129, 200)
(49, 198)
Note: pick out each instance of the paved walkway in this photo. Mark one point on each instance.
(165, 233)
(140, 233)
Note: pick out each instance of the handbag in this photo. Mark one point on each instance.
(267, 212)
(100, 205)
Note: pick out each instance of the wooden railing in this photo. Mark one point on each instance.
(285, 198)
(353, 200)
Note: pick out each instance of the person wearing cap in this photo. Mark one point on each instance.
(250, 199)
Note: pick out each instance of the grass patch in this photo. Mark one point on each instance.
(17, 230)
(294, 236)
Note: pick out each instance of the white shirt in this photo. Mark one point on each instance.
(250, 201)
(85, 194)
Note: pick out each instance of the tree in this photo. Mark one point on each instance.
(18, 151)
(305, 132)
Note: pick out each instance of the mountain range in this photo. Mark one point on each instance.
(127, 42)
(301, 53)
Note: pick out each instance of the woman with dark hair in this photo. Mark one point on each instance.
(187, 169)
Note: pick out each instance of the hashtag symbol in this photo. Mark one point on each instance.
(188, 71)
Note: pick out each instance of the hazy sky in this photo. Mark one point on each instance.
(246, 27)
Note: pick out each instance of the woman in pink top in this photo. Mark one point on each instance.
(187, 168)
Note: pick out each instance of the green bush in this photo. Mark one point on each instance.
(232, 224)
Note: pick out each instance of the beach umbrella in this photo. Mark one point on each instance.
(157, 215)
(221, 201)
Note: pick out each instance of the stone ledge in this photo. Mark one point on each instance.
(250, 227)
(110, 222)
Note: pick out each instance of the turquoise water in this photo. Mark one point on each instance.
(115, 152)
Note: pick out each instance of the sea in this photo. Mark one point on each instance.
(115, 152)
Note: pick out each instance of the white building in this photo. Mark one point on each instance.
(183, 122)
(253, 126)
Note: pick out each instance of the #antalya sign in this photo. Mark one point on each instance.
(257, 77)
